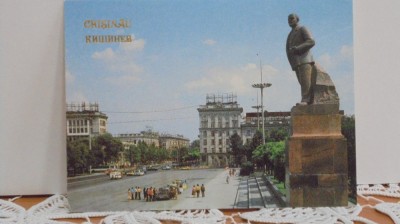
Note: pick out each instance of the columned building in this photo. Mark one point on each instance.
(220, 118)
(129, 139)
(170, 142)
(272, 121)
(85, 120)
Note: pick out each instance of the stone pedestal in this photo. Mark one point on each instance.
(316, 159)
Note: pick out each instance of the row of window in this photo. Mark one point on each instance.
(78, 130)
(220, 141)
(78, 122)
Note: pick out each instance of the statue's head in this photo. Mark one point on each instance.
(293, 20)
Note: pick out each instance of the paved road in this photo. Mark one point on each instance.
(110, 195)
(102, 194)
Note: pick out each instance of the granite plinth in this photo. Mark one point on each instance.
(316, 161)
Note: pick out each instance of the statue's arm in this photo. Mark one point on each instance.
(308, 41)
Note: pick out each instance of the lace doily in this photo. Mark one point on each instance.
(392, 190)
(307, 215)
(57, 207)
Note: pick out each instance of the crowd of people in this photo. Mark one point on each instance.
(196, 189)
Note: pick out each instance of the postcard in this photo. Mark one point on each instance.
(207, 104)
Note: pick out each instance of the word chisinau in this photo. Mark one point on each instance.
(107, 24)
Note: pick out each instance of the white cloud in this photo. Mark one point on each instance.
(125, 80)
(107, 54)
(135, 45)
(209, 42)
(237, 80)
(121, 62)
(345, 55)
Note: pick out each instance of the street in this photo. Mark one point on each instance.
(111, 195)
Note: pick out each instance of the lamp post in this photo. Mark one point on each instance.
(258, 116)
(261, 86)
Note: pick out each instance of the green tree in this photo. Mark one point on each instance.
(260, 156)
(236, 148)
(276, 159)
(256, 141)
(107, 147)
(133, 154)
(277, 135)
(78, 155)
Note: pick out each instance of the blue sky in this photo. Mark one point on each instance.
(183, 50)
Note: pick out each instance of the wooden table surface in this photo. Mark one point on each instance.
(367, 212)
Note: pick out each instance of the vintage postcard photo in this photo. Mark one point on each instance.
(176, 104)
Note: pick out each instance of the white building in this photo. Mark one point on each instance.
(85, 120)
(220, 118)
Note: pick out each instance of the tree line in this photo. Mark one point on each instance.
(105, 150)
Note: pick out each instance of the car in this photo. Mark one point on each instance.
(138, 173)
(166, 193)
(116, 175)
(130, 173)
(152, 168)
(166, 167)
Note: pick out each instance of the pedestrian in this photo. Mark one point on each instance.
(132, 193)
(203, 189)
(180, 188)
(193, 190)
(139, 191)
(198, 190)
(144, 193)
(154, 194)
(136, 193)
(227, 179)
(149, 194)
(129, 194)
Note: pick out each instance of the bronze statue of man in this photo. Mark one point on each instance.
(298, 45)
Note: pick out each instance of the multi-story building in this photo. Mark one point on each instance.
(85, 120)
(171, 142)
(272, 121)
(219, 119)
(147, 137)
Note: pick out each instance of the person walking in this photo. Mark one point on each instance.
(198, 190)
(139, 192)
(145, 193)
(153, 198)
(129, 194)
(203, 189)
(227, 179)
(193, 190)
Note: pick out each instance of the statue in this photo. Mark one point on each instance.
(316, 85)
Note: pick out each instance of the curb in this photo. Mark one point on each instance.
(277, 194)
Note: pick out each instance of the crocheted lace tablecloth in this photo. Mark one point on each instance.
(56, 209)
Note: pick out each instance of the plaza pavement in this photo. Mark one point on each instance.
(218, 194)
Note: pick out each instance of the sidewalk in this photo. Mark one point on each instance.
(218, 194)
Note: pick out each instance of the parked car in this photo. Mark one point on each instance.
(166, 167)
(152, 168)
(138, 173)
(116, 175)
(130, 173)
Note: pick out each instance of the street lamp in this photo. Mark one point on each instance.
(262, 86)
(258, 116)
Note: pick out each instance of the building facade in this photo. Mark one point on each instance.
(85, 120)
(133, 139)
(272, 121)
(220, 118)
(171, 142)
